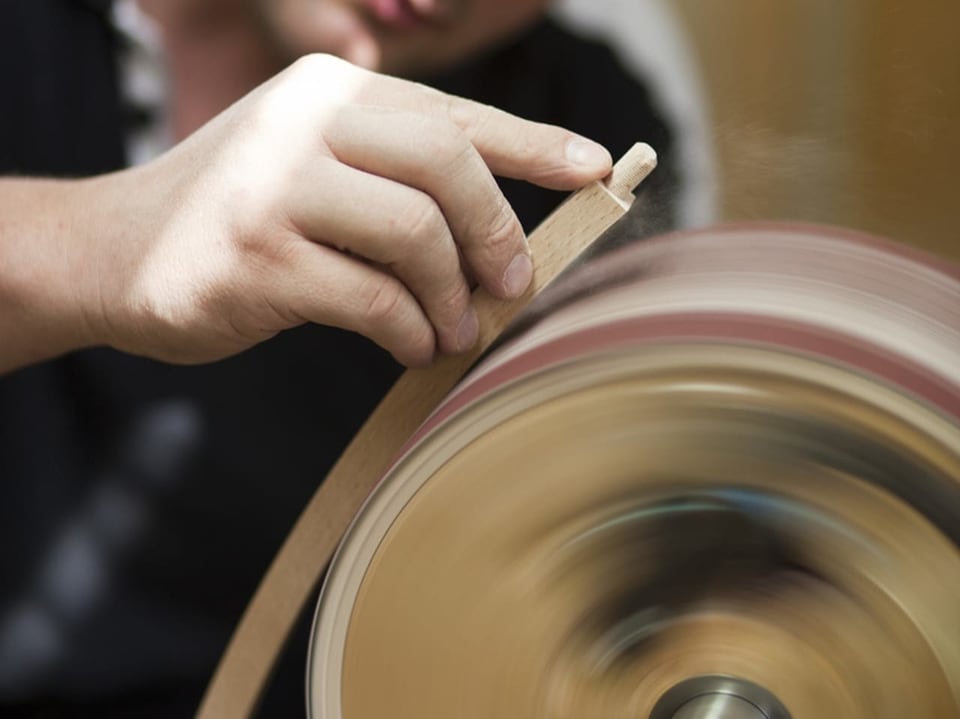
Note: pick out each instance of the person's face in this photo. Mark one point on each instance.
(403, 37)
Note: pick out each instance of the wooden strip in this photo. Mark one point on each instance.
(263, 630)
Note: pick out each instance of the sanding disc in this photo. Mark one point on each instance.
(718, 476)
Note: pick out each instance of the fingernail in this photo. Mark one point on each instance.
(517, 276)
(587, 153)
(467, 330)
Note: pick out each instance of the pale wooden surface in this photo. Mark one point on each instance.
(246, 665)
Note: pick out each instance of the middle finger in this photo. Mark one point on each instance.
(396, 227)
(437, 158)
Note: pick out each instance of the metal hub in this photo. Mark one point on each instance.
(718, 697)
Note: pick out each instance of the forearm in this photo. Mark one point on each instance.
(44, 226)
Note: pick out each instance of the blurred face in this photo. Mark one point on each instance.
(402, 37)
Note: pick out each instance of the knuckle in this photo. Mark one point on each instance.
(503, 235)
(453, 299)
(471, 117)
(317, 64)
(382, 301)
(459, 164)
(450, 148)
(419, 223)
(453, 159)
(293, 94)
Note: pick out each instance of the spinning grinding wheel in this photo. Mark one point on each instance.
(738, 464)
(723, 482)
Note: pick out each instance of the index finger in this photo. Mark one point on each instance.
(543, 154)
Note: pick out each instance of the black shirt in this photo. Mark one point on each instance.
(140, 503)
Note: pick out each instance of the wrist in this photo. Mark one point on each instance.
(48, 303)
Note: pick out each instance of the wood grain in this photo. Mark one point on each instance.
(263, 630)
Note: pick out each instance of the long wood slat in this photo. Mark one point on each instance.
(245, 667)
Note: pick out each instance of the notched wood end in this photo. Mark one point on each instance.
(632, 169)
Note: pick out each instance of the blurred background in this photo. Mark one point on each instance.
(815, 110)
(117, 595)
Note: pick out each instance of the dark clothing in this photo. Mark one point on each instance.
(141, 503)
(59, 109)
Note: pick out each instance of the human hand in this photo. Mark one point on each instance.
(329, 195)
